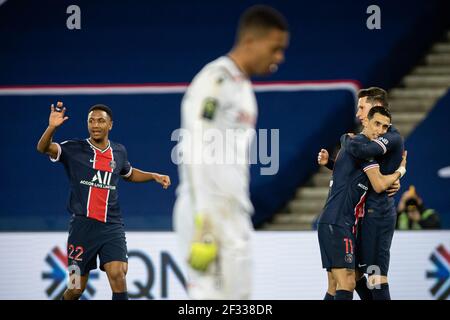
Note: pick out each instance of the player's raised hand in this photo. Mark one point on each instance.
(163, 180)
(322, 157)
(57, 118)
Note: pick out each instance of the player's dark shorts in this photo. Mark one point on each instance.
(337, 246)
(89, 238)
(374, 242)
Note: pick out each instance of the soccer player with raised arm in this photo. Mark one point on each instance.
(94, 167)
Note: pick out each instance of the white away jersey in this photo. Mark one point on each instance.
(218, 114)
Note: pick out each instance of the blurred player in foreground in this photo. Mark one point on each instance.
(94, 167)
(213, 208)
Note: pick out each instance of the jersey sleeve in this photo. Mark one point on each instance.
(65, 149)
(126, 169)
(371, 148)
(215, 94)
(369, 164)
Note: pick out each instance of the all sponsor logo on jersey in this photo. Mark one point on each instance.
(106, 179)
(102, 180)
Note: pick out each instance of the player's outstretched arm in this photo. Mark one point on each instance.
(381, 182)
(56, 119)
(365, 150)
(143, 176)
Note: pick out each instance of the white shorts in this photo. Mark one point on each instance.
(229, 277)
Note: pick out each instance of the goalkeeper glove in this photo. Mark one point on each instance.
(204, 248)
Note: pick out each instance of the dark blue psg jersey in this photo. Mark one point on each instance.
(387, 151)
(348, 189)
(94, 175)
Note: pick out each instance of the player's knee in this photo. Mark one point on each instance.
(332, 284)
(351, 283)
(348, 282)
(332, 289)
(118, 274)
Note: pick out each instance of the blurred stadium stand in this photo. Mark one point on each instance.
(410, 103)
(168, 42)
(429, 160)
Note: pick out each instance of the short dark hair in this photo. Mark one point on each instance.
(375, 95)
(413, 202)
(378, 101)
(261, 17)
(372, 92)
(381, 110)
(102, 107)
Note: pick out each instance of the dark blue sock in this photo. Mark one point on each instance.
(343, 295)
(363, 291)
(328, 297)
(382, 293)
(120, 295)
